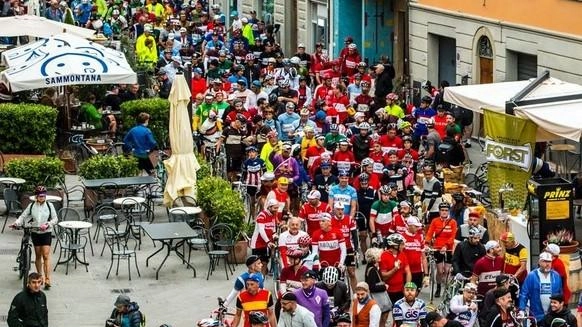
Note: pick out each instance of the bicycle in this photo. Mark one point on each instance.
(217, 317)
(216, 160)
(275, 264)
(432, 276)
(77, 151)
(452, 288)
(245, 197)
(24, 257)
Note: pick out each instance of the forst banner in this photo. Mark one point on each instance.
(509, 150)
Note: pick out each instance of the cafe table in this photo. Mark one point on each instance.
(120, 182)
(12, 180)
(74, 227)
(167, 234)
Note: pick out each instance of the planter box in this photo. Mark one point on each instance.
(7, 157)
(240, 252)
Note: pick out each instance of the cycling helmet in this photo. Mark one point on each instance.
(352, 46)
(284, 83)
(304, 241)
(258, 317)
(426, 99)
(271, 134)
(458, 197)
(559, 322)
(392, 96)
(295, 60)
(364, 126)
(251, 148)
(392, 186)
(384, 189)
(343, 317)
(296, 254)
(395, 240)
(286, 61)
(474, 232)
(208, 322)
(333, 127)
(250, 57)
(444, 205)
(295, 149)
(273, 98)
(40, 190)
(367, 162)
(330, 275)
(364, 177)
(362, 64)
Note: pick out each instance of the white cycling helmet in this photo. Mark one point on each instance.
(395, 240)
(330, 275)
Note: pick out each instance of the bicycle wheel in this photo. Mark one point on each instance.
(246, 200)
(220, 166)
(26, 257)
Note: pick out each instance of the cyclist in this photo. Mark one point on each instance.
(343, 192)
(487, 268)
(262, 239)
(289, 239)
(394, 267)
(409, 310)
(501, 281)
(311, 210)
(294, 315)
(515, 257)
(344, 157)
(279, 194)
(258, 319)
(328, 244)
(267, 184)
(254, 266)
(559, 310)
(29, 307)
(398, 224)
(347, 226)
(441, 236)
(313, 299)
(414, 252)
(381, 215)
(463, 306)
(42, 215)
(362, 142)
(367, 166)
(472, 222)
(323, 182)
(337, 290)
(366, 197)
(467, 253)
(252, 170)
(309, 257)
(365, 310)
(210, 131)
(254, 299)
(291, 275)
(500, 315)
(140, 141)
(431, 193)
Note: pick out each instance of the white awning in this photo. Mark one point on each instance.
(558, 119)
(39, 27)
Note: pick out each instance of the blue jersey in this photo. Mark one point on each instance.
(344, 195)
(252, 170)
(409, 314)
(422, 116)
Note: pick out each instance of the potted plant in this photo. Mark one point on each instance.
(108, 166)
(563, 238)
(36, 171)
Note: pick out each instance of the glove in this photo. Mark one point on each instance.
(425, 281)
(44, 227)
(473, 306)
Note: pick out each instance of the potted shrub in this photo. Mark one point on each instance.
(217, 199)
(159, 110)
(108, 166)
(563, 238)
(35, 171)
(27, 129)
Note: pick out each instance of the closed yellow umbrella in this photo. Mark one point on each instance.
(182, 164)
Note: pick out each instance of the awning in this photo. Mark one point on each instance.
(558, 119)
(39, 27)
(65, 60)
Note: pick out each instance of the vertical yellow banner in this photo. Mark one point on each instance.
(509, 150)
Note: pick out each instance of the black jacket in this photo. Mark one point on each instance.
(28, 310)
(565, 314)
(134, 315)
(384, 82)
(465, 256)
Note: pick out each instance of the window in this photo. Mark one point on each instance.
(485, 49)
(268, 11)
(319, 24)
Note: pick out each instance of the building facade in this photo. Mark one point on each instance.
(378, 27)
(484, 41)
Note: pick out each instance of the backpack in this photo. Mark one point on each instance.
(444, 152)
(50, 210)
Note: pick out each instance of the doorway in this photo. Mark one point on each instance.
(447, 60)
(485, 61)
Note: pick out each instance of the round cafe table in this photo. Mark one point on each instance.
(183, 213)
(12, 180)
(49, 198)
(129, 200)
(74, 226)
(187, 210)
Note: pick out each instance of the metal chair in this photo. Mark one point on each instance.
(106, 193)
(184, 201)
(75, 193)
(178, 215)
(135, 213)
(199, 242)
(67, 245)
(221, 241)
(154, 197)
(121, 247)
(13, 206)
(108, 216)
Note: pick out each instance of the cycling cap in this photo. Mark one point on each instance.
(252, 259)
(410, 285)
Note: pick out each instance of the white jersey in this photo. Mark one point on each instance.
(289, 241)
(410, 315)
(461, 309)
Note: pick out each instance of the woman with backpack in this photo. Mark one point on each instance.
(41, 214)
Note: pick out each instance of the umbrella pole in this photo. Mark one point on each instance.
(67, 109)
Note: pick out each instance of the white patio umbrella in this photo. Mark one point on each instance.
(39, 27)
(65, 60)
(182, 164)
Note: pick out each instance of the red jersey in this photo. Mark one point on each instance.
(373, 182)
(380, 160)
(350, 63)
(317, 63)
(339, 107)
(413, 153)
(390, 144)
(310, 215)
(346, 225)
(288, 242)
(198, 86)
(281, 197)
(320, 93)
(558, 266)
(441, 233)
(312, 153)
(343, 160)
(398, 224)
(266, 221)
(289, 276)
(363, 104)
(440, 125)
(329, 244)
(387, 260)
(487, 269)
(413, 249)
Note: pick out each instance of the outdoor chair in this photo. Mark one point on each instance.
(199, 242)
(110, 217)
(13, 206)
(67, 244)
(221, 241)
(136, 214)
(106, 193)
(70, 214)
(75, 193)
(184, 201)
(121, 247)
(154, 197)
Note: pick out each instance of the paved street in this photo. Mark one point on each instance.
(86, 298)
